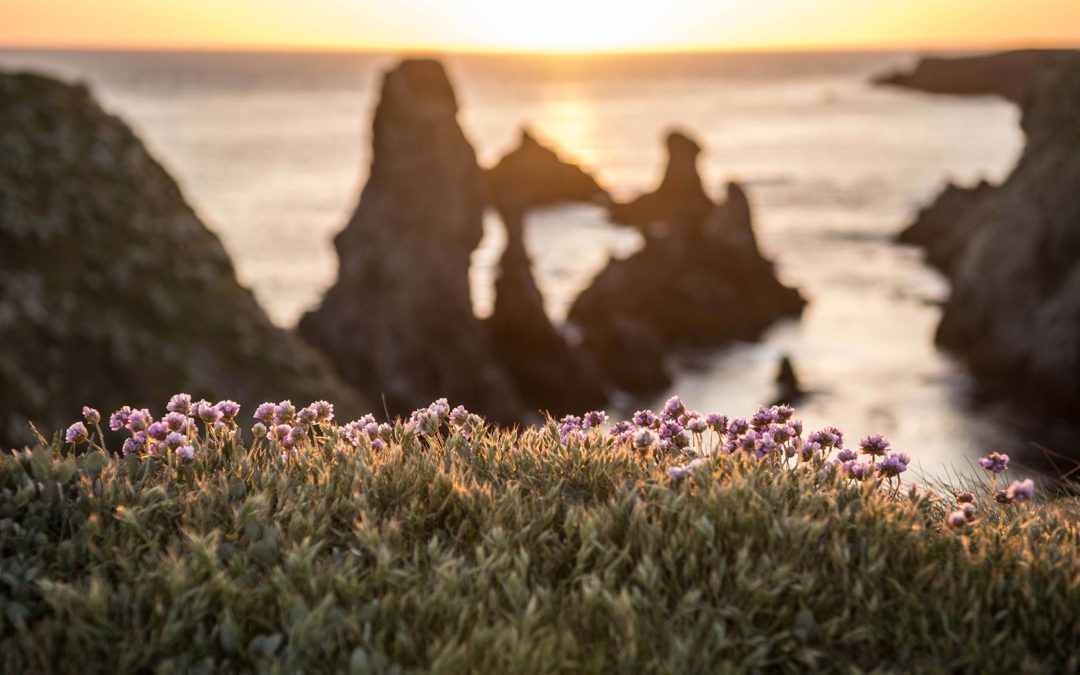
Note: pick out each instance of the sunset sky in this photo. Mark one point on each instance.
(550, 25)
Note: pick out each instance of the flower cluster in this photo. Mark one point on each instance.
(995, 462)
(1018, 492)
(771, 435)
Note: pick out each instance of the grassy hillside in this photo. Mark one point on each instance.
(443, 544)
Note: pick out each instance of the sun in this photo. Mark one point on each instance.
(562, 25)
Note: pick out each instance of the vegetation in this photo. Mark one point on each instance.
(441, 544)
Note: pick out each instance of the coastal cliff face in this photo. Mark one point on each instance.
(941, 228)
(399, 322)
(1014, 311)
(552, 375)
(111, 286)
(1005, 74)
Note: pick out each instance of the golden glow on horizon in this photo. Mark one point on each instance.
(543, 26)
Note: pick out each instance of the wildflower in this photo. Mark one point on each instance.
(1003, 497)
(307, 416)
(206, 412)
(893, 465)
(857, 470)
(644, 439)
(458, 417)
(781, 433)
(1021, 491)
(91, 415)
(77, 433)
(807, 450)
(281, 432)
(828, 437)
(324, 411)
(716, 422)
(965, 498)
(135, 444)
(179, 403)
(259, 430)
(158, 431)
(569, 426)
(157, 448)
(995, 462)
(737, 428)
(968, 510)
(139, 420)
(228, 409)
(697, 425)
(421, 422)
(284, 412)
(185, 452)
(875, 445)
(957, 519)
(176, 421)
(762, 418)
(622, 432)
(264, 413)
(677, 473)
(174, 440)
(645, 418)
(594, 419)
(783, 413)
(674, 407)
(846, 455)
(118, 420)
(440, 410)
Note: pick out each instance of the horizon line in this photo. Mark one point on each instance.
(471, 51)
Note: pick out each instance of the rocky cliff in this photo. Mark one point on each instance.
(941, 228)
(1014, 311)
(112, 290)
(399, 323)
(1005, 74)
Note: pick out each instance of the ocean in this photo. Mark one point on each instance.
(272, 149)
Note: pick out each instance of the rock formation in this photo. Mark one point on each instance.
(552, 375)
(680, 197)
(1014, 311)
(533, 175)
(112, 290)
(399, 323)
(1005, 74)
(939, 228)
(789, 390)
(701, 283)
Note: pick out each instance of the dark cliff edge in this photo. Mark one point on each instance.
(1013, 252)
(112, 291)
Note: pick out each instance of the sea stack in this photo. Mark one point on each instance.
(700, 280)
(680, 197)
(399, 322)
(552, 375)
(112, 291)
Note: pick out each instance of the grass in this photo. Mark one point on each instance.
(508, 553)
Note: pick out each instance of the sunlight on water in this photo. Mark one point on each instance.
(273, 149)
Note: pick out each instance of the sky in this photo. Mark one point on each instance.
(538, 26)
